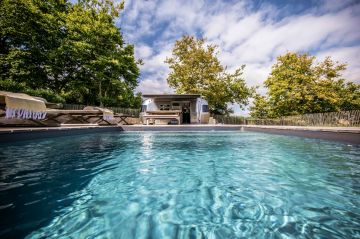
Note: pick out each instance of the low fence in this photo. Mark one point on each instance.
(342, 118)
(128, 111)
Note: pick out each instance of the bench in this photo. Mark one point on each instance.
(147, 117)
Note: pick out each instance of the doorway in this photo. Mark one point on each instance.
(186, 113)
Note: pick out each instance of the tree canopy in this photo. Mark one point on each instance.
(299, 85)
(67, 52)
(195, 69)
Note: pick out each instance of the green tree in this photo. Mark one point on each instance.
(30, 31)
(195, 69)
(297, 85)
(260, 107)
(72, 51)
(101, 57)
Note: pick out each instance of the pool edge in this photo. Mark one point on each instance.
(20, 134)
(350, 136)
(340, 134)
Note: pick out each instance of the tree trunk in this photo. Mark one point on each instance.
(100, 96)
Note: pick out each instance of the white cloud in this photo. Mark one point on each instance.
(155, 63)
(241, 30)
(154, 72)
(143, 51)
(333, 5)
(151, 85)
(349, 55)
(299, 33)
(255, 74)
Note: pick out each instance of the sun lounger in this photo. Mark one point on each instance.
(74, 116)
(20, 110)
(61, 117)
(22, 106)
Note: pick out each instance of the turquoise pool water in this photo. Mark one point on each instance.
(179, 185)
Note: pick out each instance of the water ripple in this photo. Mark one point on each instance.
(180, 185)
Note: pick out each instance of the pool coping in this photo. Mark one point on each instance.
(181, 128)
(341, 134)
(14, 134)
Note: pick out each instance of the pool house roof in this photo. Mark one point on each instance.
(172, 96)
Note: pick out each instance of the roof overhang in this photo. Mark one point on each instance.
(172, 96)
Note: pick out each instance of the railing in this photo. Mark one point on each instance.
(127, 111)
(342, 118)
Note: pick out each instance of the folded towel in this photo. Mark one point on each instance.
(107, 114)
(23, 106)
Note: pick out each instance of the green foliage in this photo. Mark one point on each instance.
(74, 52)
(297, 85)
(28, 34)
(47, 94)
(195, 69)
(260, 107)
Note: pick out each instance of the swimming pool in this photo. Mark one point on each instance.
(179, 185)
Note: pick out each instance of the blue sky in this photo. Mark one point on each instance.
(247, 32)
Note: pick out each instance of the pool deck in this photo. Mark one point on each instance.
(343, 134)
